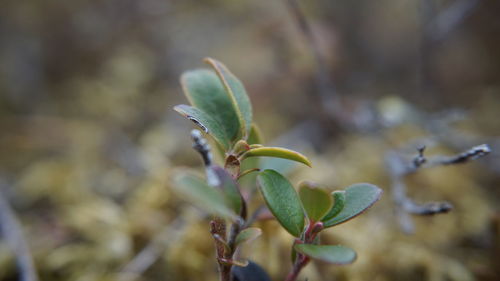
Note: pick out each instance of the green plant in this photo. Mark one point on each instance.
(222, 109)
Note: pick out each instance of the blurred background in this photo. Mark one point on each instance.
(89, 138)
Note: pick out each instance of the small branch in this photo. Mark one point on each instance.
(201, 145)
(153, 251)
(218, 231)
(225, 245)
(325, 87)
(255, 215)
(246, 172)
(447, 20)
(12, 232)
(399, 169)
(474, 153)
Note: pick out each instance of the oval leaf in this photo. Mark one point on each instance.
(338, 204)
(282, 200)
(327, 253)
(229, 188)
(248, 235)
(205, 122)
(316, 200)
(277, 152)
(237, 94)
(206, 92)
(194, 189)
(358, 198)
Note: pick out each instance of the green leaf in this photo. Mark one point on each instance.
(205, 122)
(205, 91)
(327, 253)
(338, 204)
(194, 189)
(237, 95)
(248, 235)
(277, 152)
(316, 200)
(230, 188)
(358, 198)
(282, 200)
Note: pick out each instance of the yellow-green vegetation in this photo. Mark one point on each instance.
(89, 142)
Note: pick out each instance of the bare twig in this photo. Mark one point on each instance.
(466, 156)
(12, 232)
(225, 245)
(450, 18)
(201, 145)
(152, 252)
(255, 215)
(398, 169)
(325, 87)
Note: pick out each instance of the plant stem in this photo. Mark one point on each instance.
(301, 261)
(225, 245)
(225, 248)
(218, 226)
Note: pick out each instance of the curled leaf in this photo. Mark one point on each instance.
(338, 204)
(358, 198)
(205, 122)
(277, 152)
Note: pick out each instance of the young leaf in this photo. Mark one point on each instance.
(205, 91)
(248, 234)
(201, 194)
(240, 147)
(282, 200)
(205, 122)
(237, 95)
(358, 198)
(229, 188)
(277, 152)
(316, 200)
(338, 204)
(327, 253)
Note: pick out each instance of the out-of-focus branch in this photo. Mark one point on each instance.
(325, 87)
(201, 145)
(435, 26)
(361, 117)
(152, 252)
(11, 230)
(450, 18)
(398, 169)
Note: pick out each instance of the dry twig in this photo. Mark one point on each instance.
(12, 232)
(398, 169)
